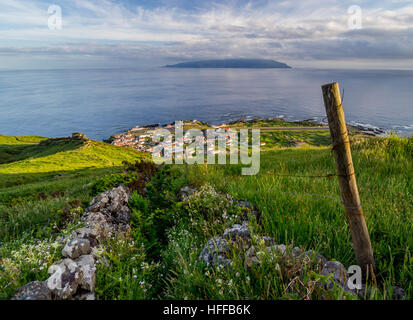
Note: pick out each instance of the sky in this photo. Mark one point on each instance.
(372, 34)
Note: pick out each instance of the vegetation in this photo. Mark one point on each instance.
(44, 192)
(273, 123)
(44, 186)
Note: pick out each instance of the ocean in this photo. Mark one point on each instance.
(103, 102)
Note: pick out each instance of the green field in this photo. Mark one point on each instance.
(45, 184)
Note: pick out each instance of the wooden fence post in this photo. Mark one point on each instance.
(347, 178)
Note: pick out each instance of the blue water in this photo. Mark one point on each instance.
(100, 103)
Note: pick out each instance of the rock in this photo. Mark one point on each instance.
(36, 290)
(86, 296)
(76, 248)
(398, 293)
(123, 216)
(315, 257)
(185, 192)
(110, 202)
(280, 248)
(101, 224)
(251, 257)
(89, 234)
(65, 278)
(110, 207)
(97, 218)
(296, 251)
(214, 252)
(85, 233)
(239, 235)
(338, 271)
(220, 261)
(86, 264)
(75, 276)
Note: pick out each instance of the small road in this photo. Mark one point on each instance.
(285, 128)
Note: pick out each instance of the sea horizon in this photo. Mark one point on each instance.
(50, 105)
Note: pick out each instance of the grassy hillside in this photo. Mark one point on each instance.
(45, 184)
(38, 176)
(304, 210)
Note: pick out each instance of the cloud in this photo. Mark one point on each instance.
(298, 31)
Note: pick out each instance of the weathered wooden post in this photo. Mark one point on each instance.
(347, 178)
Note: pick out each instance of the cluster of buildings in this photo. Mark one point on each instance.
(142, 142)
(189, 144)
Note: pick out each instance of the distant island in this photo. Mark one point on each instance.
(233, 63)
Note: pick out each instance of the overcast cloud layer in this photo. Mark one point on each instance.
(104, 33)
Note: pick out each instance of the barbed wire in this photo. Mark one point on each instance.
(314, 195)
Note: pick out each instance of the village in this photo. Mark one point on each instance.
(145, 139)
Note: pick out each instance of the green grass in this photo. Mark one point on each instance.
(52, 173)
(275, 123)
(274, 140)
(299, 210)
(45, 184)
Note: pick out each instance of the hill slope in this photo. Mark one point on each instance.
(46, 183)
(38, 174)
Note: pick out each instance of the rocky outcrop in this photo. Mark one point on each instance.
(74, 277)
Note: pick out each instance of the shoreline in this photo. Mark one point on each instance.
(142, 138)
(245, 120)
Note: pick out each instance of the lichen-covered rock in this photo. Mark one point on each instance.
(86, 264)
(123, 216)
(239, 235)
(87, 233)
(76, 248)
(36, 290)
(110, 207)
(338, 271)
(65, 278)
(214, 252)
(97, 218)
(110, 201)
